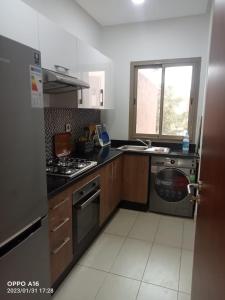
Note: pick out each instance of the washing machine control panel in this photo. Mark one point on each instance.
(179, 162)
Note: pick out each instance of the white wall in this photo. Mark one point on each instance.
(174, 38)
(72, 17)
(206, 79)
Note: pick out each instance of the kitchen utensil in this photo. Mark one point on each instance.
(63, 144)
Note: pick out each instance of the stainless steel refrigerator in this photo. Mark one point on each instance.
(24, 252)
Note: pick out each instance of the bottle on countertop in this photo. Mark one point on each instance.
(186, 142)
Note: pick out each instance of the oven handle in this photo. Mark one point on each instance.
(91, 199)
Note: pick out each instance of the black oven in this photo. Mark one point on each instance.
(86, 208)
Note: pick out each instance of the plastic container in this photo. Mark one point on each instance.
(186, 142)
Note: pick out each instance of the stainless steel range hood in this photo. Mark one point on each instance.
(58, 83)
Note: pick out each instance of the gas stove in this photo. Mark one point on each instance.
(68, 167)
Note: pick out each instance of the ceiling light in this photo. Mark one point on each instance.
(138, 2)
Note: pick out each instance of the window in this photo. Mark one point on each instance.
(164, 97)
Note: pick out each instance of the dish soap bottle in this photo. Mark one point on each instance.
(186, 142)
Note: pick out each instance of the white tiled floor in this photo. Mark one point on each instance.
(139, 256)
(163, 267)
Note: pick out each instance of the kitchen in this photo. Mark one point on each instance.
(117, 209)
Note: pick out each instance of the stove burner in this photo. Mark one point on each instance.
(68, 167)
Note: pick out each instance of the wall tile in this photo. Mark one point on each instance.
(56, 119)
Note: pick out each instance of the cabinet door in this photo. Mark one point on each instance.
(58, 47)
(109, 94)
(94, 96)
(111, 176)
(135, 178)
(96, 69)
(117, 179)
(60, 233)
(18, 22)
(106, 187)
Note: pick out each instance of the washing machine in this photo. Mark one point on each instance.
(168, 186)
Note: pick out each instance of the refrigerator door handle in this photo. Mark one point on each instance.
(19, 237)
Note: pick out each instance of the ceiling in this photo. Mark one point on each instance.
(114, 12)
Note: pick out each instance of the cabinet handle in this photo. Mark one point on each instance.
(101, 97)
(61, 68)
(61, 203)
(60, 225)
(80, 96)
(89, 201)
(61, 246)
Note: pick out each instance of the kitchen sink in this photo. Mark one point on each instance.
(135, 148)
(160, 150)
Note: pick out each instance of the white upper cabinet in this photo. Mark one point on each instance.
(58, 47)
(96, 69)
(60, 51)
(18, 22)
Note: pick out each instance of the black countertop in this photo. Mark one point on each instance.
(178, 154)
(56, 184)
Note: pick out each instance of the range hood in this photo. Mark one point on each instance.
(58, 83)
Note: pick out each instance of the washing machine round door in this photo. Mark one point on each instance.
(171, 184)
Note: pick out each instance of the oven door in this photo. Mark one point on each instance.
(85, 221)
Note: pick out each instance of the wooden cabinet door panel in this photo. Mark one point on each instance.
(57, 216)
(135, 178)
(60, 233)
(117, 180)
(106, 188)
(61, 257)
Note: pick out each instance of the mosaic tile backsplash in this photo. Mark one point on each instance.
(57, 118)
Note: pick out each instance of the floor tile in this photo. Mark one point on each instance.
(182, 296)
(186, 271)
(170, 232)
(75, 286)
(163, 266)
(172, 218)
(145, 227)
(122, 223)
(118, 288)
(103, 252)
(189, 235)
(132, 259)
(153, 292)
(128, 211)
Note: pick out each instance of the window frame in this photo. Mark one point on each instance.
(195, 62)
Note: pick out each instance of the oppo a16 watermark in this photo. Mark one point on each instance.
(26, 287)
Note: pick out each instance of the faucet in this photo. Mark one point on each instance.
(148, 143)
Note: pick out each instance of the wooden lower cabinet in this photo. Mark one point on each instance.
(117, 182)
(106, 180)
(111, 176)
(126, 177)
(60, 214)
(60, 233)
(135, 178)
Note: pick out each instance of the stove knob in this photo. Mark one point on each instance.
(81, 193)
(50, 162)
(172, 161)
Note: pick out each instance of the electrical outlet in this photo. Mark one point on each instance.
(68, 127)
